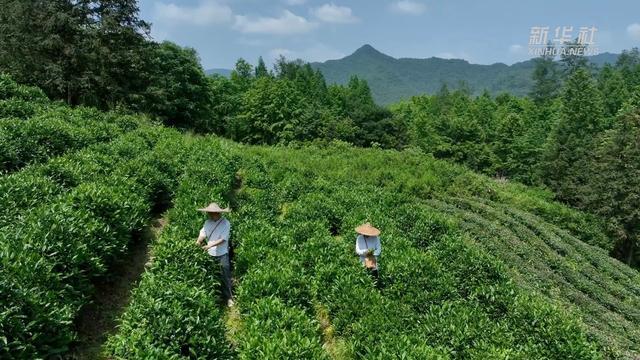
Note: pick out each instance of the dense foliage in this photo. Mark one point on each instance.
(98, 53)
(395, 79)
(33, 130)
(64, 222)
(562, 138)
(294, 104)
(472, 266)
(89, 52)
(174, 311)
(305, 204)
(469, 268)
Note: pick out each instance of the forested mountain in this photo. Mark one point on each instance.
(394, 79)
(219, 71)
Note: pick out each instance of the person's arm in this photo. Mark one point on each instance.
(201, 237)
(360, 250)
(378, 249)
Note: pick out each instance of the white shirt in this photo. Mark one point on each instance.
(366, 243)
(214, 230)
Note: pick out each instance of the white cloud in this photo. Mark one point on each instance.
(317, 52)
(207, 12)
(288, 23)
(515, 49)
(409, 7)
(634, 31)
(333, 13)
(276, 53)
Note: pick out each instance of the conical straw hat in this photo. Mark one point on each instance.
(214, 208)
(368, 230)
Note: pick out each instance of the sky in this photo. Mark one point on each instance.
(481, 32)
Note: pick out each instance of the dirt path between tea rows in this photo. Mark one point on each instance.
(97, 320)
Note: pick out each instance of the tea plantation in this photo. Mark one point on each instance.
(470, 268)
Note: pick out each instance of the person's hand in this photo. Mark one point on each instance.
(206, 247)
(199, 242)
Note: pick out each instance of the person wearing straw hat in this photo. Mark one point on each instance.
(216, 231)
(368, 247)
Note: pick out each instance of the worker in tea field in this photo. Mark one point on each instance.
(368, 248)
(216, 231)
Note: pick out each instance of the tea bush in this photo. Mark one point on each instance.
(40, 183)
(470, 267)
(55, 247)
(57, 130)
(442, 296)
(174, 312)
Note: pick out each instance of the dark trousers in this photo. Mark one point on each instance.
(376, 278)
(225, 269)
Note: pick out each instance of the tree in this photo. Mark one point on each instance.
(546, 80)
(309, 82)
(287, 69)
(261, 69)
(629, 66)
(272, 111)
(225, 104)
(614, 188)
(573, 57)
(611, 83)
(242, 75)
(375, 124)
(85, 51)
(571, 142)
(44, 43)
(120, 56)
(483, 109)
(178, 91)
(510, 129)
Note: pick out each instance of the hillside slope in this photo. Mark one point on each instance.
(470, 267)
(536, 239)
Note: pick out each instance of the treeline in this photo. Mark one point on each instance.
(99, 53)
(578, 133)
(293, 103)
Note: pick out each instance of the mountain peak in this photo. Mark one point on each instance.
(368, 50)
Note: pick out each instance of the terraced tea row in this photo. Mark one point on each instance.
(175, 312)
(40, 184)
(300, 283)
(81, 223)
(467, 269)
(32, 129)
(584, 279)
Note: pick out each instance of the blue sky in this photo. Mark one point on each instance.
(481, 32)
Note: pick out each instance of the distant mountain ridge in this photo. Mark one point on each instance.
(223, 72)
(393, 79)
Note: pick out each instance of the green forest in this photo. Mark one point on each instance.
(511, 224)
